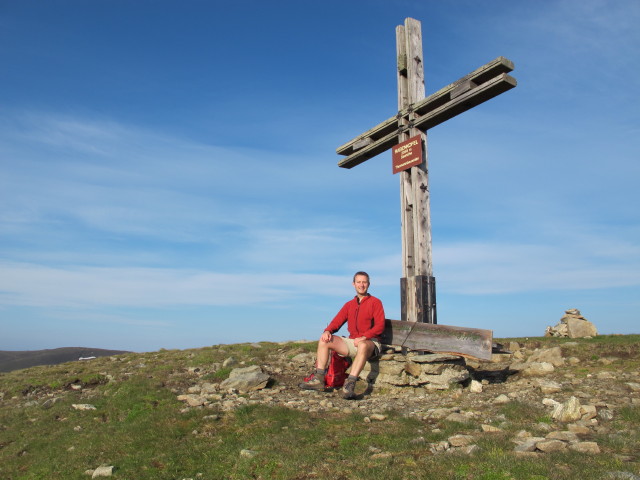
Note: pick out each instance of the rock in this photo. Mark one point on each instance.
(457, 417)
(468, 449)
(193, 400)
(585, 447)
(548, 355)
(605, 414)
(246, 379)
(578, 429)
(622, 476)
(230, 362)
(548, 446)
(500, 357)
(378, 417)
(460, 440)
(434, 372)
(564, 436)
(208, 388)
(248, 453)
(472, 363)
(435, 358)
(475, 386)
(490, 428)
(439, 447)
(304, 358)
(102, 471)
(527, 444)
(548, 386)
(501, 399)
(413, 369)
(537, 369)
(572, 325)
(588, 412)
(578, 328)
(560, 330)
(568, 411)
(542, 426)
(381, 455)
(83, 406)
(48, 403)
(607, 361)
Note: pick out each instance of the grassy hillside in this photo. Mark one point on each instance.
(65, 421)
(16, 360)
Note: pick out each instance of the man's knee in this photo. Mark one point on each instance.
(366, 348)
(335, 344)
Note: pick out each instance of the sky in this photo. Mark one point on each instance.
(169, 179)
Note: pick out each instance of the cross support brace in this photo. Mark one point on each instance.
(481, 85)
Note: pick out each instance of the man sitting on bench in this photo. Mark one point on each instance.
(364, 316)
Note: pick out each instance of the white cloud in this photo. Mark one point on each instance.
(572, 264)
(39, 286)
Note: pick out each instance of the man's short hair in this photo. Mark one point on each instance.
(361, 273)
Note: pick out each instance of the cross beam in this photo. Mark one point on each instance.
(481, 85)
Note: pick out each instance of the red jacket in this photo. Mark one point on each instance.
(364, 319)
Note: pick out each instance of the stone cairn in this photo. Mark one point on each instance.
(394, 370)
(572, 325)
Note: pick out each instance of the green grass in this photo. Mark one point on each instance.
(144, 431)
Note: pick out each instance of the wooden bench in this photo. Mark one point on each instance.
(468, 342)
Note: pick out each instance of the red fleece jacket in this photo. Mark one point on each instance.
(364, 319)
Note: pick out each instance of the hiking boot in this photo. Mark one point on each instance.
(349, 390)
(316, 382)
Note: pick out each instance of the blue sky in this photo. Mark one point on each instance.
(168, 175)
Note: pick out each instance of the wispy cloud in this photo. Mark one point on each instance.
(125, 180)
(572, 262)
(38, 286)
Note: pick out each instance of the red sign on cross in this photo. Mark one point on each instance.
(407, 154)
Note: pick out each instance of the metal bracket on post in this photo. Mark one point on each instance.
(425, 286)
(403, 299)
(427, 295)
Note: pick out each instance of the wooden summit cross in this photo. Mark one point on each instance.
(406, 131)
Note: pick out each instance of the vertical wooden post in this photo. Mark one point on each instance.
(418, 283)
(408, 310)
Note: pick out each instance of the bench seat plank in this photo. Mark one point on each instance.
(472, 342)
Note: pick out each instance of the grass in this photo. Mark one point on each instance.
(140, 427)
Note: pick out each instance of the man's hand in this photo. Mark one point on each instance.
(357, 341)
(326, 336)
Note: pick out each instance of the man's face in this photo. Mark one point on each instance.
(361, 284)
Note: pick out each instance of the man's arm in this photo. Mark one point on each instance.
(377, 313)
(338, 320)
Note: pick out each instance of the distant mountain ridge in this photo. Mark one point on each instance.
(16, 360)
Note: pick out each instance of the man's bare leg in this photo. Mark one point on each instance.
(364, 350)
(324, 350)
(326, 344)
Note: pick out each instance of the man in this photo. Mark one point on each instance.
(364, 316)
